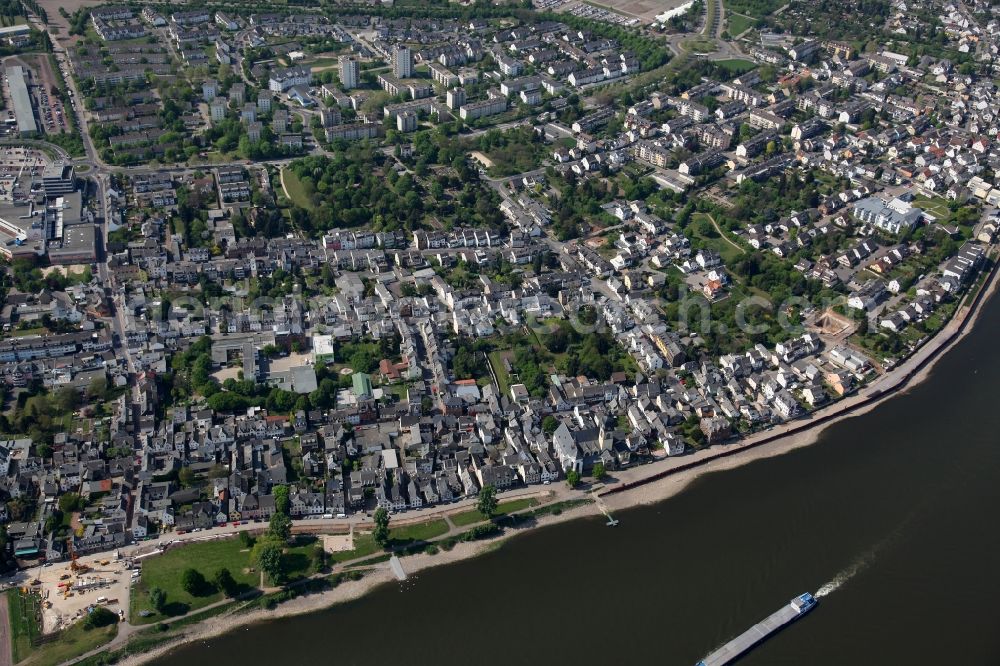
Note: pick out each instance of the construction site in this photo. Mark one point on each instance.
(833, 327)
(68, 590)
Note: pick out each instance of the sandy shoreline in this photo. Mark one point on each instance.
(907, 375)
(348, 590)
(646, 489)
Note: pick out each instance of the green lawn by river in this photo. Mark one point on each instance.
(165, 572)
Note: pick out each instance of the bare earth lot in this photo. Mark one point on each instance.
(51, 8)
(115, 584)
(645, 10)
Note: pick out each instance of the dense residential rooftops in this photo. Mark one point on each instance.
(396, 291)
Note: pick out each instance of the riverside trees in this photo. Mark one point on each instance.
(487, 502)
(381, 532)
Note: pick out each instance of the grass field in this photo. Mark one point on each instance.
(25, 332)
(399, 389)
(72, 643)
(472, 516)
(23, 623)
(419, 531)
(737, 23)
(364, 545)
(164, 571)
(323, 62)
(753, 7)
(736, 66)
(726, 250)
(936, 206)
(24, 628)
(152, 637)
(503, 377)
(293, 188)
(699, 45)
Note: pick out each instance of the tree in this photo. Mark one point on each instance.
(266, 554)
(186, 477)
(66, 399)
(550, 424)
(426, 405)
(381, 532)
(572, 478)
(99, 616)
(98, 389)
(53, 522)
(224, 581)
(193, 582)
(280, 527)
(218, 472)
(487, 503)
(599, 471)
(246, 539)
(70, 502)
(157, 599)
(281, 501)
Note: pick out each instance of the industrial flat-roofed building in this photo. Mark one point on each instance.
(22, 233)
(78, 245)
(22, 29)
(17, 83)
(58, 178)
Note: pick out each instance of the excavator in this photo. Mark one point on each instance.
(74, 566)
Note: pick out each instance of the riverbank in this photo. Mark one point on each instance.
(376, 576)
(644, 485)
(877, 503)
(641, 486)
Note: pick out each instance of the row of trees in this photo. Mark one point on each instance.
(197, 585)
(486, 504)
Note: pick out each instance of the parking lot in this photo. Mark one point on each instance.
(600, 14)
(51, 111)
(549, 4)
(48, 108)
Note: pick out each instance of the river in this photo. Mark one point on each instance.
(893, 512)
